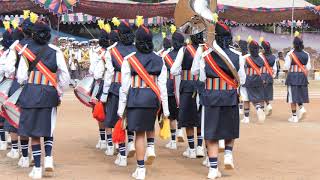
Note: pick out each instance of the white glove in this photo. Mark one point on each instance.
(104, 98)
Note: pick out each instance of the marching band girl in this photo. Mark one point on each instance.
(121, 45)
(143, 88)
(169, 56)
(252, 90)
(41, 94)
(298, 64)
(189, 117)
(268, 73)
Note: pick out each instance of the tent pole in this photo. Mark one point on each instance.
(292, 18)
(88, 30)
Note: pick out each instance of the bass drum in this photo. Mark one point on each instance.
(10, 109)
(83, 90)
(4, 90)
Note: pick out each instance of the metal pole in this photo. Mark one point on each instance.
(292, 18)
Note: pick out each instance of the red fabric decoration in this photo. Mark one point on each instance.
(119, 134)
(98, 112)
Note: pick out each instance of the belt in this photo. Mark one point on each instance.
(137, 82)
(36, 77)
(187, 76)
(217, 84)
(251, 71)
(295, 68)
(116, 77)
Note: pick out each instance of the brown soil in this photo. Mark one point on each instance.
(271, 151)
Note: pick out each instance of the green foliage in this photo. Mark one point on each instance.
(315, 2)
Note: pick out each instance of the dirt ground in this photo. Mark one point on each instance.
(275, 150)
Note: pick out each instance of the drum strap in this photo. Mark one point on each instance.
(145, 76)
(41, 67)
(298, 62)
(253, 65)
(266, 64)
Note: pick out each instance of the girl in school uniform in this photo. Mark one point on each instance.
(219, 99)
(142, 98)
(169, 56)
(117, 50)
(9, 63)
(189, 117)
(268, 73)
(252, 90)
(298, 64)
(41, 94)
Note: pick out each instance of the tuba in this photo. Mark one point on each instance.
(193, 16)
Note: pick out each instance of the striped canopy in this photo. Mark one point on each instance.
(57, 7)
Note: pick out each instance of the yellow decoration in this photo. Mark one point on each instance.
(33, 17)
(116, 22)
(164, 35)
(296, 34)
(173, 29)
(6, 25)
(101, 23)
(107, 28)
(139, 21)
(14, 24)
(250, 39)
(215, 17)
(238, 38)
(165, 130)
(26, 14)
(261, 39)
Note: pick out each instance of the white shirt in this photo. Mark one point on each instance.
(176, 67)
(126, 84)
(63, 77)
(287, 63)
(199, 65)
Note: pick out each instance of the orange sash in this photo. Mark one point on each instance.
(191, 50)
(297, 61)
(253, 65)
(142, 72)
(115, 52)
(215, 67)
(40, 66)
(168, 60)
(266, 64)
(1, 52)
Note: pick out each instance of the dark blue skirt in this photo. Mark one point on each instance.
(268, 92)
(173, 109)
(298, 94)
(111, 109)
(141, 119)
(188, 113)
(221, 122)
(37, 122)
(255, 94)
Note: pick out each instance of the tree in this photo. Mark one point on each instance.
(315, 2)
